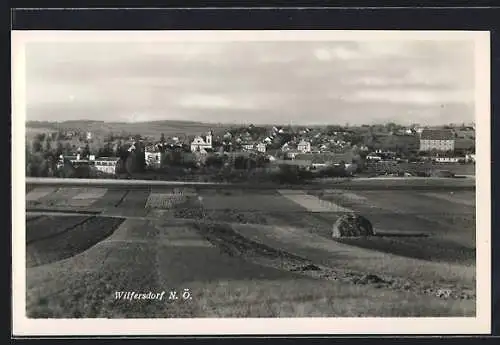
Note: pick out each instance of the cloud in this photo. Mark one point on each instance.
(262, 81)
(336, 53)
(415, 96)
(202, 101)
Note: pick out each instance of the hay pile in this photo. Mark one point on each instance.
(352, 225)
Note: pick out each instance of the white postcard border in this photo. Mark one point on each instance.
(481, 324)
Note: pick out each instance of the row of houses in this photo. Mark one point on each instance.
(105, 165)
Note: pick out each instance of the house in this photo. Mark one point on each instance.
(261, 147)
(419, 130)
(373, 157)
(470, 158)
(153, 158)
(106, 164)
(248, 146)
(290, 146)
(271, 158)
(304, 146)
(201, 144)
(447, 159)
(437, 139)
(75, 160)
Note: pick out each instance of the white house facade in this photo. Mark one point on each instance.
(106, 164)
(261, 147)
(201, 144)
(153, 158)
(304, 146)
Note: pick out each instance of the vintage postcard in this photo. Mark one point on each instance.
(251, 182)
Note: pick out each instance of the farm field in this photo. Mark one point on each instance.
(249, 253)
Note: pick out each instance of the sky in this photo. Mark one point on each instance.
(266, 82)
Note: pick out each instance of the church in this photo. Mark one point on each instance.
(201, 144)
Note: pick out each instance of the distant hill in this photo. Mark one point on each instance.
(153, 128)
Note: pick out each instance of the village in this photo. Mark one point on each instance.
(378, 149)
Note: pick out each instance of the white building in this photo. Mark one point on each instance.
(202, 143)
(261, 147)
(373, 157)
(153, 158)
(106, 164)
(248, 146)
(470, 157)
(437, 139)
(304, 146)
(447, 159)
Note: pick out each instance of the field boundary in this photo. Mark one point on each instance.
(399, 183)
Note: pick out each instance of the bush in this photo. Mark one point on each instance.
(333, 171)
(291, 174)
(442, 173)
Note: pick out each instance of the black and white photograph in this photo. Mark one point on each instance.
(290, 181)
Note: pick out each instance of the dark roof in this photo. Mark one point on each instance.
(437, 134)
(464, 143)
(111, 159)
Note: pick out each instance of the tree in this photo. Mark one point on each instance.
(110, 137)
(240, 162)
(130, 163)
(86, 151)
(120, 166)
(28, 161)
(214, 162)
(37, 165)
(135, 162)
(36, 145)
(162, 138)
(40, 137)
(59, 148)
(67, 149)
(48, 145)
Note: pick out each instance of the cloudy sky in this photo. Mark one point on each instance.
(310, 82)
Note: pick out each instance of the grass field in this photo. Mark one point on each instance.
(251, 254)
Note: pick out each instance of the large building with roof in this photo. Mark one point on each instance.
(202, 144)
(437, 139)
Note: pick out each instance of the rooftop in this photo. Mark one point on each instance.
(437, 134)
(107, 158)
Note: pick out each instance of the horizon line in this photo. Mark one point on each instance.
(250, 123)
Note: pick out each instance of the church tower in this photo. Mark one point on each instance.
(209, 138)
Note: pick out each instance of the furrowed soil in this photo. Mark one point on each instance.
(72, 236)
(246, 254)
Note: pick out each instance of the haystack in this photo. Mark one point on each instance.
(352, 225)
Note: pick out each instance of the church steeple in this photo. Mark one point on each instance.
(209, 137)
